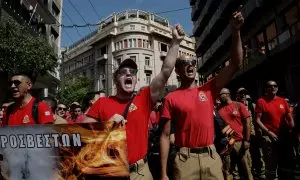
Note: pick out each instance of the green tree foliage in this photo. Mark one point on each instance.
(75, 90)
(24, 51)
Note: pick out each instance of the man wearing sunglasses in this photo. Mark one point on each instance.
(61, 111)
(140, 106)
(271, 110)
(21, 112)
(191, 108)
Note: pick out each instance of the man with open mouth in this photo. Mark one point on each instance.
(191, 108)
(140, 106)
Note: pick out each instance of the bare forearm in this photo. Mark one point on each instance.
(247, 132)
(169, 62)
(164, 152)
(236, 51)
(261, 125)
(291, 120)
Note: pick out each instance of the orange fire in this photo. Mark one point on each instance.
(104, 153)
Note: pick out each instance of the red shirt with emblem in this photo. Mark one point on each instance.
(273, 112)
(21, 116)
(137, 120)
(234, 113)
(192, 110)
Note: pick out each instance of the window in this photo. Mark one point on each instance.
(143, 28)
(125, 43)
(271, 36)
(117, 46)
(144, 43)
(103, 50)
(291, 18)
(261, 43)
(86, 59)
(132, 27)
(163, 47)
(118, 61)
(134, 43)
(147, 60)
(133, 58)
(140, 43)
(130, 43)
(103, 83)
(121, 44)
(148, 78)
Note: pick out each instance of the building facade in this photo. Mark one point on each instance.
(43, 17)
(141, 36)
(270, 38)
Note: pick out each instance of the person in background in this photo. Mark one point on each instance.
(271, 110)
(91, 98)
(61, 111)
(258, 165)
(77, 115)
(3, 108)
(53, 106)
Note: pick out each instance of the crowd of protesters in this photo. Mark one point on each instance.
(195, 132)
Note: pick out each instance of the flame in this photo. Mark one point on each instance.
(103, 153)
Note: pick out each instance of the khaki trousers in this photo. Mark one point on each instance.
(141, 171)
(270, 151)
(238, 162)
(194, 166)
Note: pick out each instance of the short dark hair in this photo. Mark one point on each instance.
(89, 96)
(31, 75)
(52, 102)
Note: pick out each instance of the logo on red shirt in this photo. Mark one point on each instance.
(235, 112)
(132, 107)
(26, 119)
(202, 96)
(281, 106)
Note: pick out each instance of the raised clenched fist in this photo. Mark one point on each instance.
(178, 33)
(237, 19)
(118, 120)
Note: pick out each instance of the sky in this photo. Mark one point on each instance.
(106, 7)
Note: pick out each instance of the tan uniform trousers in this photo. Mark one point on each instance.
(140, 171)
(237, 161)
(270, 151)
(201, 165)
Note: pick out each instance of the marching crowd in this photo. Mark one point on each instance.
(196, 132)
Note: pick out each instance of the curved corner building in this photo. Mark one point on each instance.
(136, 34)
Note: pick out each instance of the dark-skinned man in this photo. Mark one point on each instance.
(191, 108)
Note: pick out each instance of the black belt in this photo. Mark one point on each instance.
(196, 150)
(134, 167)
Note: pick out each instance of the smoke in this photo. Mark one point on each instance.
(28, 163)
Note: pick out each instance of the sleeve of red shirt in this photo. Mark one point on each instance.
(259, 107)
(167, 109)
(212, 86)
(94, 111)
(243, 111)
(45, 116)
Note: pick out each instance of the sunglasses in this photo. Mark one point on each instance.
(15, 82)
(60, 108)
(125, 71)
(273, 85)
(183, 63)
(78, 111)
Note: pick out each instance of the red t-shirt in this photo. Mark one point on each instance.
(192, 110)
(153, 119)
(273, 112)
(137, 120)
(234, 114)
(78, 120)
(23, 116)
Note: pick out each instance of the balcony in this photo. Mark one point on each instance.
(197, 8)
(102, 57)
(43, 9)
(247, 11)
(148, 68)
